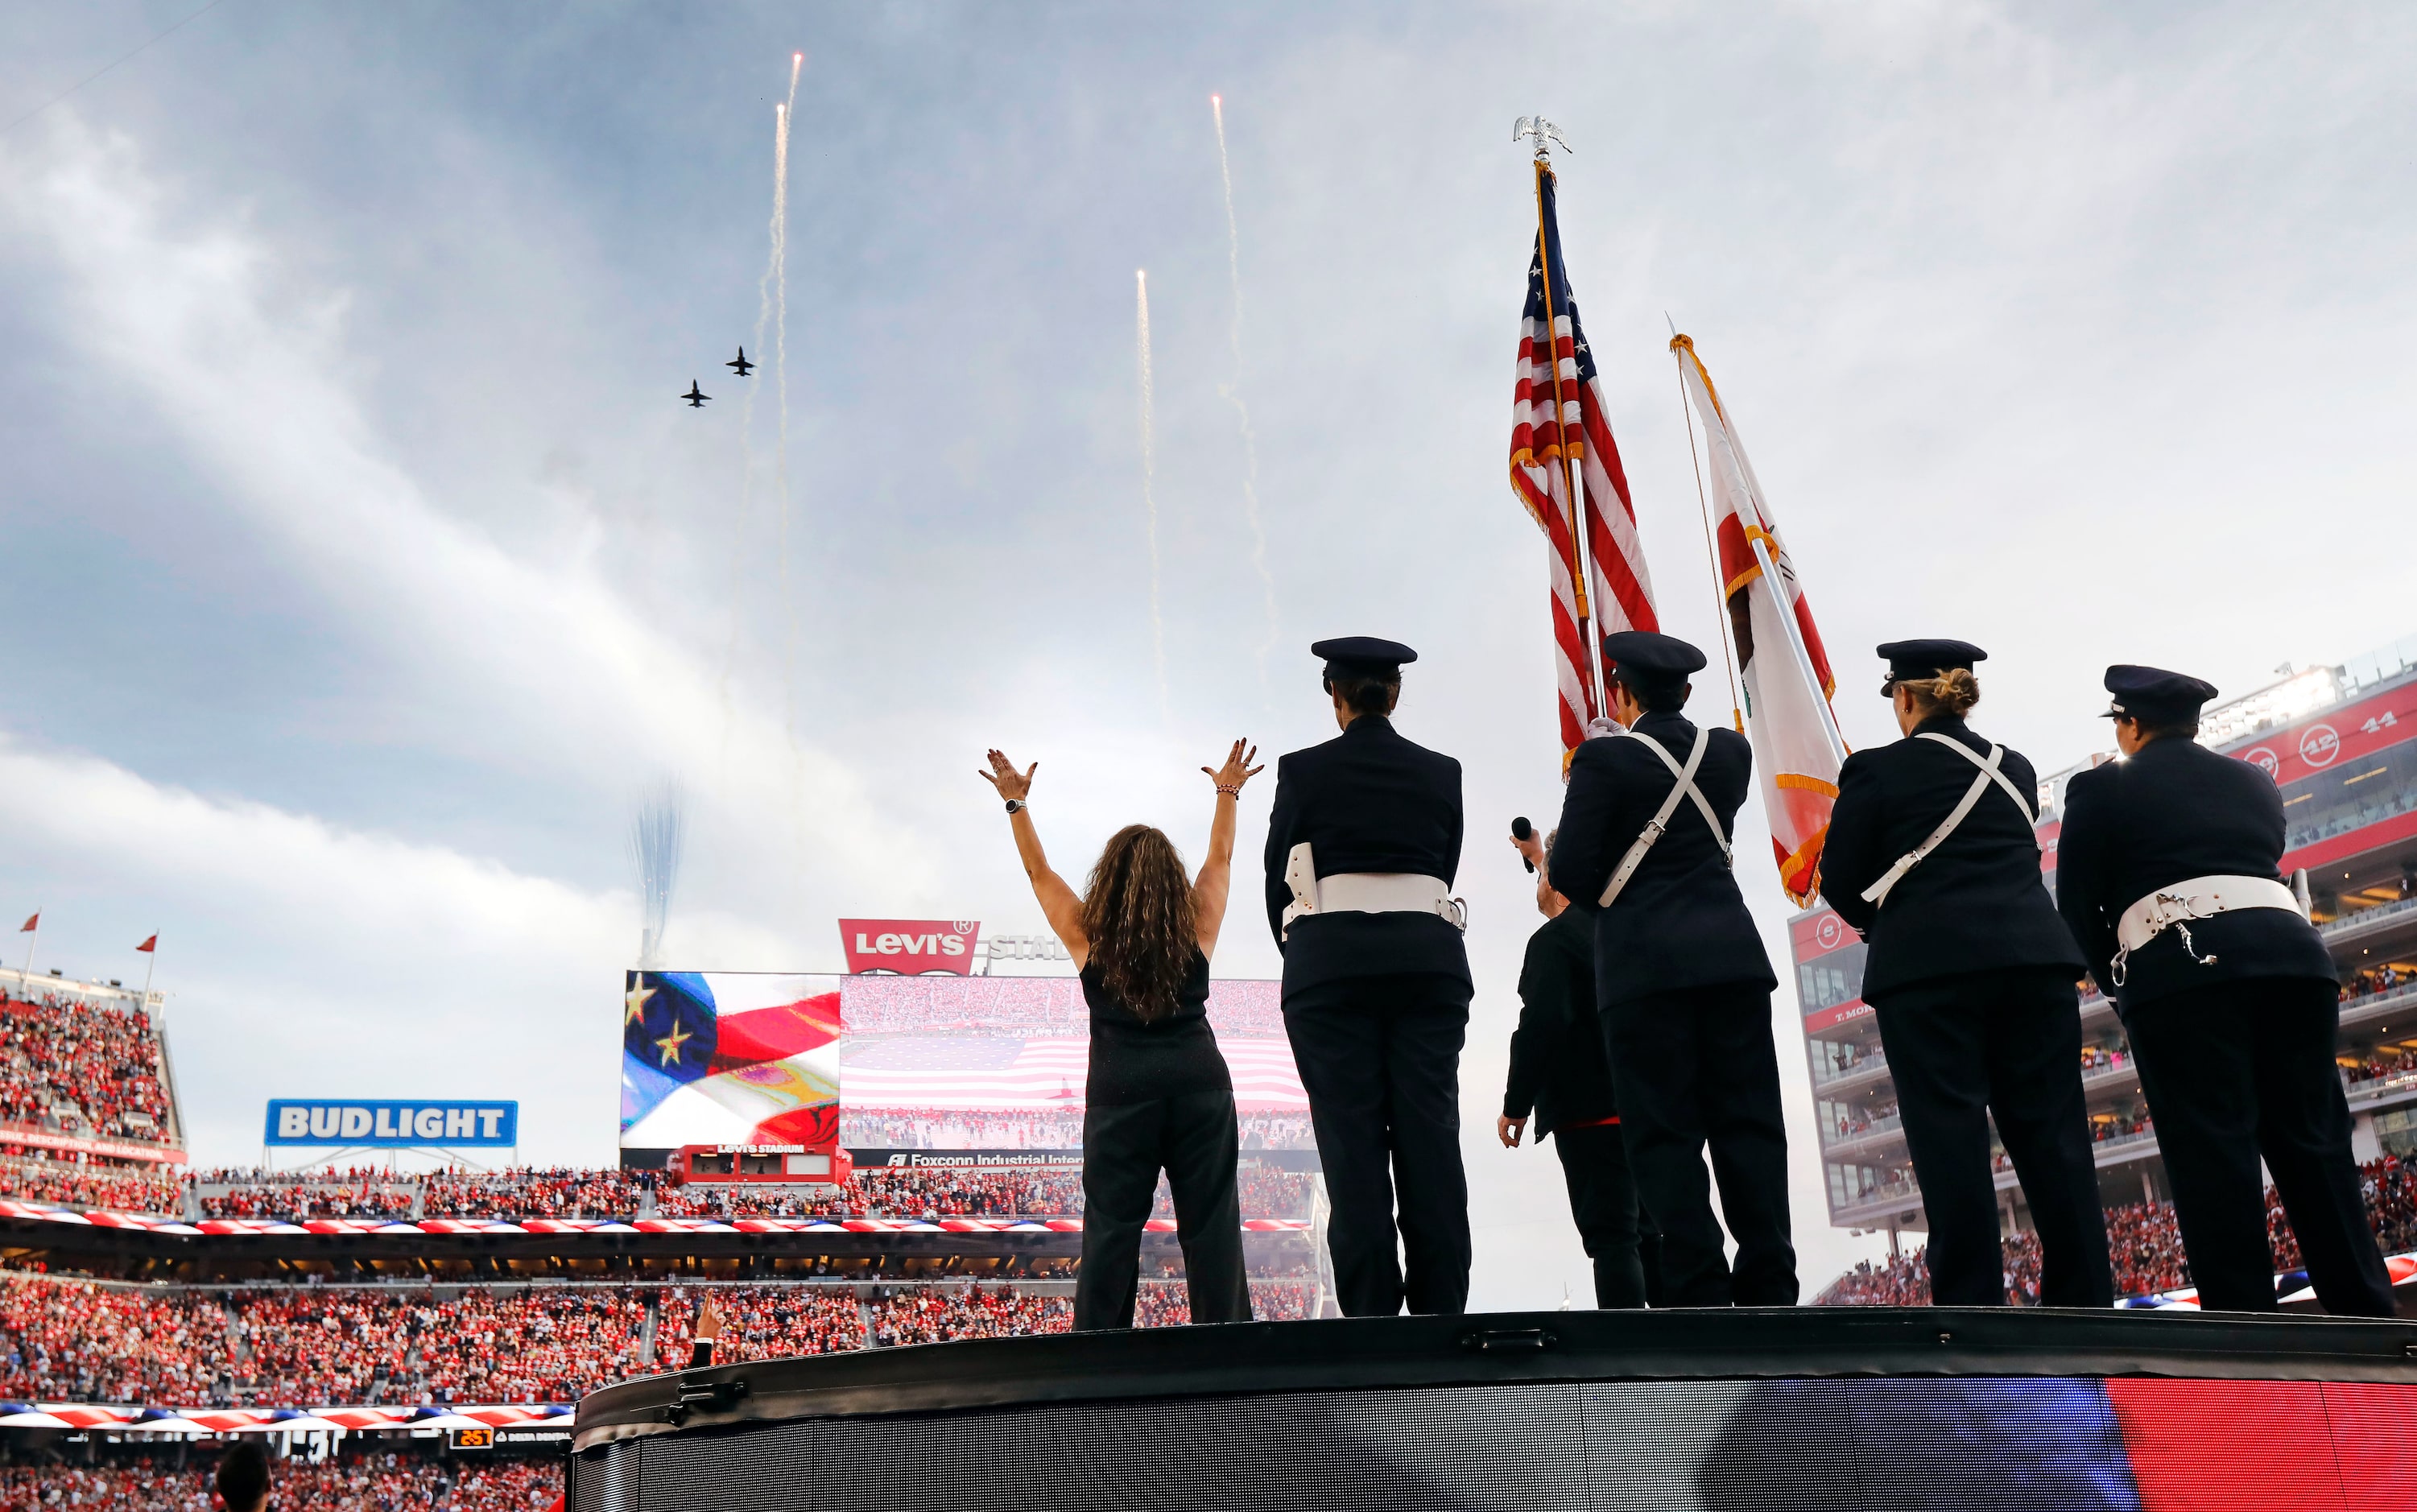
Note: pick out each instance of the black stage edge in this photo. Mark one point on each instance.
(1431, 1411)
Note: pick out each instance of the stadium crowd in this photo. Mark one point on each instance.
(761, 1323)
(351, 1194)
(2144, 1245)
(372, 1482)
(2380, 1065)
(928, 1314)
(561, 1192)
(127, 1187)
(84, 1342)
(2377, 979)
(83, 1068)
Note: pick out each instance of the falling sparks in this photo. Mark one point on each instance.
(1233, 394)
(1149, 489)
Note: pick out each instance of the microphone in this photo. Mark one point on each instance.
(1522, 831)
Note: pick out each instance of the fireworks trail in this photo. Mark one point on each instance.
(1233, 394)
(776, 275)
(1149, 489)
(779, 270)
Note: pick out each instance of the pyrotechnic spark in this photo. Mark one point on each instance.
(1149, 489)
(1233, 393)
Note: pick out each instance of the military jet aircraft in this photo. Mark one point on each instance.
(743, 366)
(696, 395)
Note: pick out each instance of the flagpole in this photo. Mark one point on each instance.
(1704, 515)
(1571, 474)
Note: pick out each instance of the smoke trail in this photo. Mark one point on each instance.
(780, 271)
(1149, 490)
(775, 271)
(658, 836)
(1233, 393)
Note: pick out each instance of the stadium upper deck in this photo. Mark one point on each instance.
(2342, 743)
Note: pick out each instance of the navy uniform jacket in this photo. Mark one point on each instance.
(1558, 1066)
(1680, 923)
(1975, 904)
(2174, 812)
(1368, 800)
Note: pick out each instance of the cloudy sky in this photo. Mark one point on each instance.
(363, 570)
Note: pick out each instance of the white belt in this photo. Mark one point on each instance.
(1682, 786)
(2196, 898)
(1877, 892)
(1366, 892)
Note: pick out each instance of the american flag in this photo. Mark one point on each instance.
(946, 1071)
(1618, 592)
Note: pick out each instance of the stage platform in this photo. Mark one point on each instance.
(1814, 1408)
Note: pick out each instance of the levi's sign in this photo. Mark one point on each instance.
(913, 947)
(393, 1125)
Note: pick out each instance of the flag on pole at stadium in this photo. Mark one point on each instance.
(1562, 455)
(1782, 667)
(33, 922)
(150, 945)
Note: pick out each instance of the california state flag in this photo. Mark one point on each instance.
(1785, 672)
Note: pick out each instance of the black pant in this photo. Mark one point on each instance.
(1697, 1068)
(2245, 1069)
(1619, 1235)
(1124, 1147)
(2007, 1045)
(1379, 1057)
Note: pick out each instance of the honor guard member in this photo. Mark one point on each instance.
(1934, 855)
(1681, 981)
(1558, 1076)
(1363, 846)
(2168, 871)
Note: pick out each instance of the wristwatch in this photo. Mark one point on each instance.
(1016, 805)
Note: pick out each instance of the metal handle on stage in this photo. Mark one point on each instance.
(1507, 1341)
(713, 1395)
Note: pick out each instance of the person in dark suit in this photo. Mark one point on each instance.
(1559, 1078)
(1682, 980)
(1932, 854)
(2168, 870)
(1159, 1096)
(1362, 848)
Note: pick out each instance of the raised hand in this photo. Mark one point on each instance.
(1236, 770)
(1010, 782)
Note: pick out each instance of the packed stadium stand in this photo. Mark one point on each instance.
(377, 1480)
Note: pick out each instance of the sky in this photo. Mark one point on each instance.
(365, 571)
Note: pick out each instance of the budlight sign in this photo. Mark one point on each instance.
(394, 1126)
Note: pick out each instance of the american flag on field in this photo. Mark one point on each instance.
(1547, 419)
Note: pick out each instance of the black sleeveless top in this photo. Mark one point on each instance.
(1171, 1057)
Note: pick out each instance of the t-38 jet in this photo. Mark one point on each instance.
(696, 395)
(742, 365)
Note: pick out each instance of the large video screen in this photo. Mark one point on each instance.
(999, 1063)
(899, 1062)
(729, 1058)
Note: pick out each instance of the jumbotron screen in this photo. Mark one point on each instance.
(957, 1063)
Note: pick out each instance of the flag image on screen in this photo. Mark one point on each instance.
(985, 1061)
(729, 1058)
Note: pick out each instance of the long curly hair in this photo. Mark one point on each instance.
(1137, 915)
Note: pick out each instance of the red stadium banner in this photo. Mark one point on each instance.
(913, 947)
(113, 1149)
(2336, 736)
